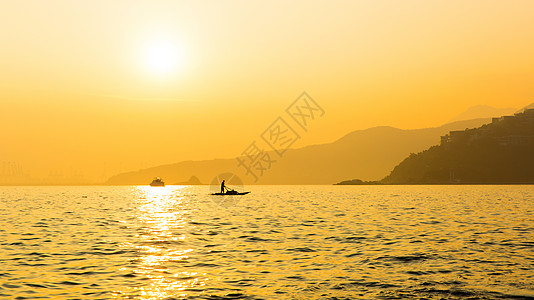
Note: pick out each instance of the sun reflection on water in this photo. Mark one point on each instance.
(161, 244)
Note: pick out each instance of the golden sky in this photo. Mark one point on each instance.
(98, 87)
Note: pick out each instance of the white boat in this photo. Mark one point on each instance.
(157, 182)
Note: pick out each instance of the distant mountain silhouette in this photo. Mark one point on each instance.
(204, 170)
(192, 181)
(496, 153)
(531, 105)
(483, 111)
(369, 154)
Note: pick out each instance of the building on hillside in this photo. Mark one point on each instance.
(514, 140)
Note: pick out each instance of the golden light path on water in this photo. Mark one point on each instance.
(160, 219)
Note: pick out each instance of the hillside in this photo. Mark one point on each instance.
(496, 153)
(369, 154)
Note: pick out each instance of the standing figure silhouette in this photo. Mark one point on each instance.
(222, 187)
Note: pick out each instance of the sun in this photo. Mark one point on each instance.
(163, 57)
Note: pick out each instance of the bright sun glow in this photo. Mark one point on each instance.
(163, 58)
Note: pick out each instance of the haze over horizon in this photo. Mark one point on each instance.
(93, 89)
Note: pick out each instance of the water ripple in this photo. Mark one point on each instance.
(287, 242)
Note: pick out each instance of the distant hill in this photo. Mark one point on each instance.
(496, 153)
(192, 181)
(483, 111)
(177, 173)
(368, 154)
(531, 105)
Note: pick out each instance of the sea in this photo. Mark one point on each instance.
(278, 242)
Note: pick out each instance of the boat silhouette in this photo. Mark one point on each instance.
(157, 182)
(230, 192)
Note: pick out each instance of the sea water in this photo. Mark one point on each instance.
(278, 242)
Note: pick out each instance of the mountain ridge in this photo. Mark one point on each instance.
(483, 111)
(369, 153)
(496, 153)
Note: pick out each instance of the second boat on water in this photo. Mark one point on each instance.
(157, 182)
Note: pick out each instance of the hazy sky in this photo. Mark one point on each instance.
(103, 86)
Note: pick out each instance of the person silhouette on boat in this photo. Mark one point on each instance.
(223, 187)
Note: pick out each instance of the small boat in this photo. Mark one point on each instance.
(231, 192)
(157, 182)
